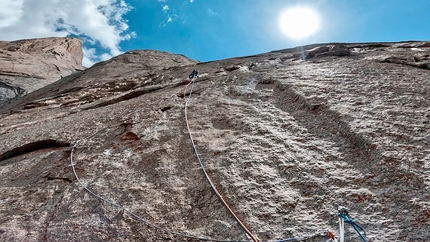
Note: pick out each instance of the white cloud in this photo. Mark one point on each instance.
(88, 55)
(95, 21)
(129, 36)
(191, 1)
(10, 12)
(106, 56)
(211, 12)
(170, 13)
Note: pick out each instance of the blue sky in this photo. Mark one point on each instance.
(208, 30)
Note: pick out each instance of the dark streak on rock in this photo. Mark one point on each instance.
(316, 109)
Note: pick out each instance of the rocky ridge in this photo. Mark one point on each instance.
(287, 137)
(30, 64)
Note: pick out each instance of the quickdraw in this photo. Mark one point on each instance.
(345, 218)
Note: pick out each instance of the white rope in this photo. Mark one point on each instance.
(302, 238)
(131, 212)
(212, 185)
(341, 229)
(113, 203)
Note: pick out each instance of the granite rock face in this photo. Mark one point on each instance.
(286, 138)
(27, 65)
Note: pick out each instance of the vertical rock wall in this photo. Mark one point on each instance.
(285, 140)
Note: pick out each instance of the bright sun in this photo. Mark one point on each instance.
(299, 22)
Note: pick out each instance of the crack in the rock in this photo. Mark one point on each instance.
(33, 146)
(137, 93)
(125, 97)
(19, 74)
(51, 217)
(420, 65)
(65, 179)
(165, 109)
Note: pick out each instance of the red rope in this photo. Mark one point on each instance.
(206, 174)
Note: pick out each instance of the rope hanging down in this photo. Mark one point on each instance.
(74, 145)
(192, 77)
(325, 233)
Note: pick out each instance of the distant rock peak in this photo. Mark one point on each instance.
(31, 64)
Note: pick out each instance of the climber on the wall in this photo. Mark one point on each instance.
(194, 74)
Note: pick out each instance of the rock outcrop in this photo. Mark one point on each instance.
(285, 139)
(27, 65)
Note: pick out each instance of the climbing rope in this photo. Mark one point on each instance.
(344, 218)
(115, 204)
(326, 233)
(242, 225)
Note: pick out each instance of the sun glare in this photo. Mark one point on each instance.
(299, 22)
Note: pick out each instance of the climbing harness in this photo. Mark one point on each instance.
(344, 218)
